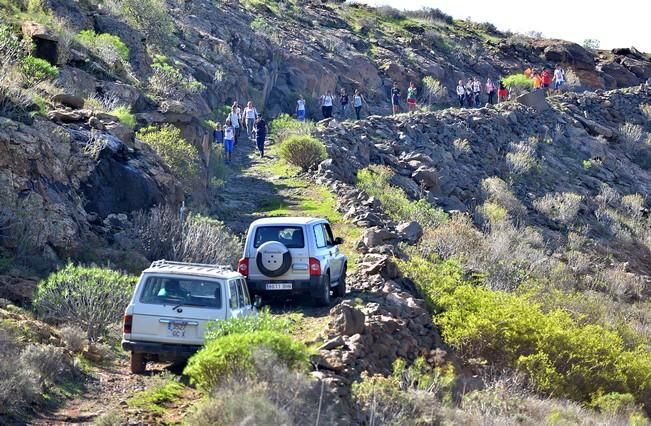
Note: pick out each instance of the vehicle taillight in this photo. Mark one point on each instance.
(128, 320)
(315, 266)
(243, 266)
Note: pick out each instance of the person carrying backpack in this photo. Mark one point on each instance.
(411, 97)
(395, 98)
(326, 105)
(461, 93)
(343, 100)
(502, 92)
(476, 91)
(234, 116)
(300, 108)
(490, 90)
(250, 113)
(260, 134)
(229, 140)
(559, 78)
(358, 100)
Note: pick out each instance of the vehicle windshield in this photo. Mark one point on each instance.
(290, 236)
(172, 290)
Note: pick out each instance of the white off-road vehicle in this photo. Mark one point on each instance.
(171, 306)
(294, 255)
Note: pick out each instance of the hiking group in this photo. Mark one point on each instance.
(228, 135)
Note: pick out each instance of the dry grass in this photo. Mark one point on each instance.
(561, 207)
(462, 146)
(498, 191)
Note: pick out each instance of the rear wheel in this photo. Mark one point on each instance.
(138, 363)
(340, 290)
(324, 298)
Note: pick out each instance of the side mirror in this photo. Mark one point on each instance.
(339, 241)
(257, 301)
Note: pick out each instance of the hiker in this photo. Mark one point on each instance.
(476, 91)
(234, 116)
(546, 81)
(490, 90)
(250, 113)
(343, 100)
(300, 108)
(218, 134)
(326, 105)
(411, 97)
(502, 92)
(260, 134)
(461, 93)
(559, 78)
(229, 140)
(468, 90)
(537, 81)
(358, 101)
(395, 98)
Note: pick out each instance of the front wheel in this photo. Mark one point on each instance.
(138, 363)
(340, 290)
(324, 298)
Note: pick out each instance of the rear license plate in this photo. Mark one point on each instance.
(279, 286)
(176, 329)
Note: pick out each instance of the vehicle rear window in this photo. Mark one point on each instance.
(290, 236)
(184, 291)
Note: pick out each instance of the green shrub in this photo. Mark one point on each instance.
(125, 116)
(374, 180)
(36, 70)
(518, 81)
(264, 321)
(434, 90)
(233, 354)
(152, 18)
(559, 354)
(166, 140)
(285, 125)
(164, 389)
(91, 298)
(169, 82)
(12, 48)
(302, 151)
(108, 47)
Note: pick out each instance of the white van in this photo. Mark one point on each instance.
(171, 306)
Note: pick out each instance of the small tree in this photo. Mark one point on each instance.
(91, 298)
(302, 151)
(36, 70)
(435, 91)
(152, 18)
(591, 43)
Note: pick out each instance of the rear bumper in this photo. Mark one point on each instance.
(312, 286)
(162, 350)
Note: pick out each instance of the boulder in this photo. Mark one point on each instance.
(45, 42)
(535, 100)
(640, 67)
(66, 99)
(64, 116)
(620, 73)
(569, 53)
(410, 231)
(426, 176)
(376, 236)
(348, 320)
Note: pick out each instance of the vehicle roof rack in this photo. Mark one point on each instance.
(161, 263)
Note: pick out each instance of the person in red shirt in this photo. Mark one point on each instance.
(547, 81)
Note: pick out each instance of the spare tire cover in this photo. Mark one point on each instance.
(273, 259)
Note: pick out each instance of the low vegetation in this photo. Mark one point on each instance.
(178, 154)
(264, 321)
(108, 47)
(168, 81)
(91, 298)
(165, 389)
(302, 151)
(285, 125)
(124, 116)
(36, 70)
(152, 18)
(518, 82)
(375, 181)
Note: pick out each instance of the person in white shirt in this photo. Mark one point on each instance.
(300, 108)
(229, 140)
(559, 78)
(250, 114)
(476, 91)
(461, 93)
(326, 104)
(235, 116)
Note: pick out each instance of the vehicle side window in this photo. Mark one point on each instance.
(328, 232)
(319, 236)
(244, 293)
(233, 297)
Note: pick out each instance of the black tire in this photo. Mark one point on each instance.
(138, 363)
(340, 290)
(323, 300)
(284, 267)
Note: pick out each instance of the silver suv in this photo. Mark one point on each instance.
(172, 305)
(294, 255)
